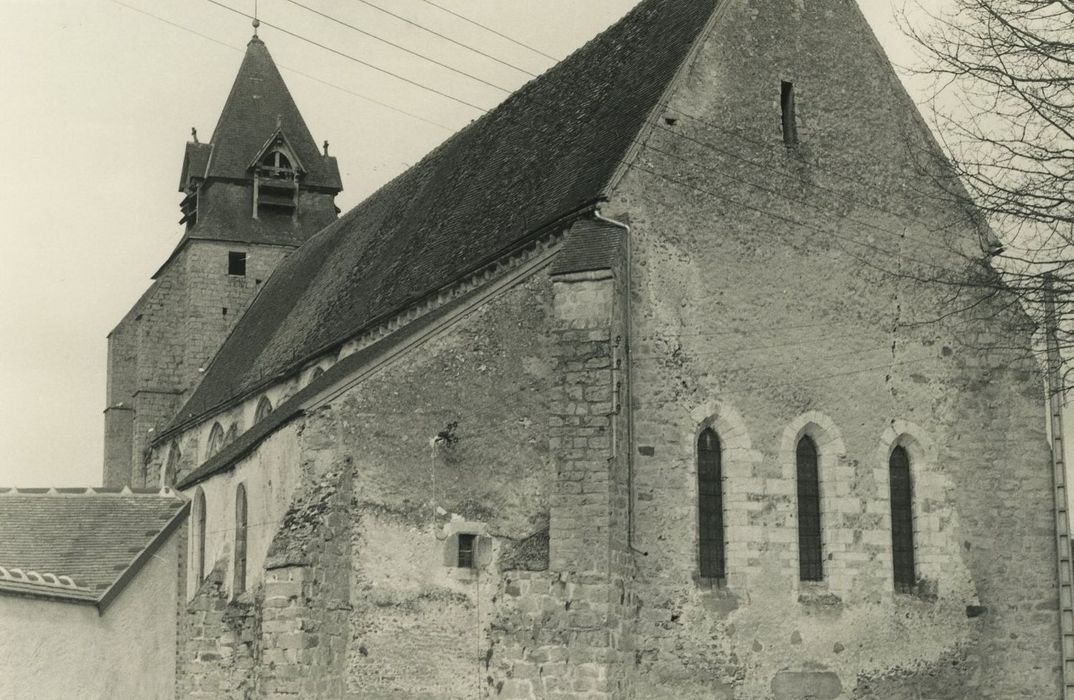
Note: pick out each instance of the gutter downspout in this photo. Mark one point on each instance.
(629, 390)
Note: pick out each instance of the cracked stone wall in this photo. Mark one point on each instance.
(450, 440)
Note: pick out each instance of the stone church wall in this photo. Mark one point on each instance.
(156, 351)
(768, 305)
(449, 440)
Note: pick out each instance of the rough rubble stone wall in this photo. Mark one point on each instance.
(307, 585)
(219, 647)
(567, 633)
(452, 439)
(769, 306)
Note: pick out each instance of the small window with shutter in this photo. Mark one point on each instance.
(467, 550)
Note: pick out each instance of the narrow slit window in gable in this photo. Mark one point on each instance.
(790, 117)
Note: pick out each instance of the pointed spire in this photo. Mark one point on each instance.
(259, 106)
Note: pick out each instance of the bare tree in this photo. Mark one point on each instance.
(1003, 108)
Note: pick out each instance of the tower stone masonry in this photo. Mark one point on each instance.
(251, 195)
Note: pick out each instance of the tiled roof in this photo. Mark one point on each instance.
(194, 161)
(591, 245)
(547, 152)
(294, 406)
(80, 544)
(258, 105)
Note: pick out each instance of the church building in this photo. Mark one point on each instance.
(673, 376)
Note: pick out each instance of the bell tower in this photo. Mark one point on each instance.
(256, 191)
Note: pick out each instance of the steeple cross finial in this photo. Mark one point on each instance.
(257, 22)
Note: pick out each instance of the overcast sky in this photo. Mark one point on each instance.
(98, 102)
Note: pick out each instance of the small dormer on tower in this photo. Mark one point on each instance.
(277, 170)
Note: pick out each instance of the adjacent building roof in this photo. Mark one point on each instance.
(547, 153)
(81, 545)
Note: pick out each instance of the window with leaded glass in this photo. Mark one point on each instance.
(902, 520)
(810, 562)
(710, 506)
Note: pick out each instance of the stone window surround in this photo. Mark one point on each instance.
(922, 453)
(831, 468)
(737, 461)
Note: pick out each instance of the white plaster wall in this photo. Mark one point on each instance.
(270, 475)
(62, 650)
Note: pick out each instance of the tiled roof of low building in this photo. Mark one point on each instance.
(544, 155)
(80, 544)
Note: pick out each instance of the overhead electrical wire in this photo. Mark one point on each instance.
(900, 236)
(445, 37)
(309, 76)
(400, 47)
(490, 29)
(657, 125)
(355, 59)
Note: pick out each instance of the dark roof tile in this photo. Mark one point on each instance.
(547, 151)
(591, 245)
(259, 104)
(92, 536)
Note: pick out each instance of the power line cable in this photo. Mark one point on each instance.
(355, 59)
(447, 38)
(738, 135)
(794, 200)
(846, 196)
(490, 29)
(899, 235)
(308, 76)
(783, 218)
(400, 47)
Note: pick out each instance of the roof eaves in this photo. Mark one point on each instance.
(537, 233)
(417, 331)
(80, 596)
(135, 566)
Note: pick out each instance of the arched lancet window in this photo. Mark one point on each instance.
(216, 440)
(264, 407)
(240, 540)
(710, 527)
(171, 466)
(810, 562)
(199, 536)
(232, 433)
(902, 520)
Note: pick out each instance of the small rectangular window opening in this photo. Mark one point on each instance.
(236, 263)
(790, 117)
(466, 551)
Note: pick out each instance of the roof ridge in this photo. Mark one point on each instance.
(550, 148)
(88, 491)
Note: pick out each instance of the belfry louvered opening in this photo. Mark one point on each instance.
(711, 555)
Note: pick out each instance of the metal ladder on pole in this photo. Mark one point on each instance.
(1062, 519)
